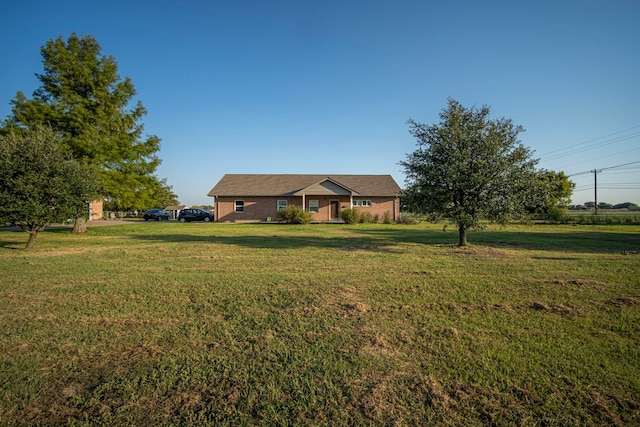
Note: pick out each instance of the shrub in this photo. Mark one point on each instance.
(350, 215)
(386, 217)
(294, 215)
(557, 214)
(367, 218)
(408, 218)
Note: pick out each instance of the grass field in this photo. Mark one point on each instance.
(189, 324)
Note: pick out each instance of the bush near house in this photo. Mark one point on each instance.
(350, 215)
(294, 215)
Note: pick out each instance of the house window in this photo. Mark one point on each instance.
(314, 206)
(282, 204)
(239, 206)
(362, 203)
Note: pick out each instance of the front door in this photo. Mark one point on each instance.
(335, 210)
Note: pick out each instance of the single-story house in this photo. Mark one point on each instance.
(258, 197)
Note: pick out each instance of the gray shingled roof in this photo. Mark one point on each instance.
(284, 184)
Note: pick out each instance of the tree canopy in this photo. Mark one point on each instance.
(468, 168)
(40, 182)
(552, 195)
(83, 99)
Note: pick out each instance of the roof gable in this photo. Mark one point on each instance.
(327, 187)
(291, 185)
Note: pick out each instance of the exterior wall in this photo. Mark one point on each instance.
(380, 205)
(255, 208)
(261, 208)
(324, 206)
(95, 210)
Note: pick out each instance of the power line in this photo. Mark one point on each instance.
(618, 166)
(590, 147)
(619, 139)
(607, 186)
(605, 157)
(624, 171)
(602, 169)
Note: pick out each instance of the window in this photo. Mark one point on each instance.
(282, 204)
(314, 206)
(239, 206)
(363, 203)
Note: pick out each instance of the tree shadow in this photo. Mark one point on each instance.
(587, 241)
(349, 244)
(6, 243)
(387, 238)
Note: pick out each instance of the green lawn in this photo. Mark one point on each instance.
(180, 324)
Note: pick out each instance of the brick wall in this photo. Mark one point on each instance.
(261, 208)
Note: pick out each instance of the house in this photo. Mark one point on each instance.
(252, 197)
(95, 210)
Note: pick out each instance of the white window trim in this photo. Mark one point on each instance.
(362, 203)
(317, 206)
(282, 204)
(235, 206)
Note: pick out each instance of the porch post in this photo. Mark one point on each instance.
(303, 203)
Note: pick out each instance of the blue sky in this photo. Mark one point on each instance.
(269, 86)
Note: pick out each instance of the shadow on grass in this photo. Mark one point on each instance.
(387, 240)
(267, 241)
(579, 241)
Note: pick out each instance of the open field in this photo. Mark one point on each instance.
(181, 324)
(618, 217)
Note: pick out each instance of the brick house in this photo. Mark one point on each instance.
(241, 197)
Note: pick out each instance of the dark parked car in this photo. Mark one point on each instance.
(188, 215)
(157, 214)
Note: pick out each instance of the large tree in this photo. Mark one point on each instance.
(468, 168)
(83, 99)
(40, 182)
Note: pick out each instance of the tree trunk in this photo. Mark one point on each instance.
(462, 235)
(32, 239)
(79, 226)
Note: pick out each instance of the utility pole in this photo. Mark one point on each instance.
(595, 188)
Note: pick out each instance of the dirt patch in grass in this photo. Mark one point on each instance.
(356, 308)
(479, 252)
(347, 302)
(464, 309)
(625, 301)
(559, 308)
(379, 346)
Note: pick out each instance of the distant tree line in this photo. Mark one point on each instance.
(606, 206)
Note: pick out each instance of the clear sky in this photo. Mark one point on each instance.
(296, 86)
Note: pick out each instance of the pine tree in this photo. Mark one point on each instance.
(83, 99)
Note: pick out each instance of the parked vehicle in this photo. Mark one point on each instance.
(157, 214)
(188, 215)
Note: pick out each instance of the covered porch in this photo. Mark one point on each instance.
(325, 199)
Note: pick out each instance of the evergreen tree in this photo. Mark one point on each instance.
(83, 99)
